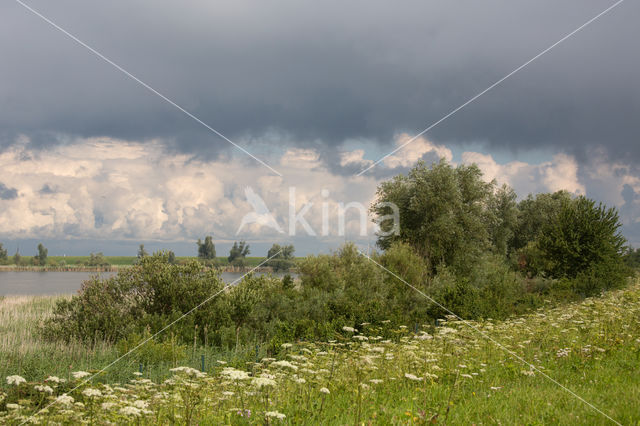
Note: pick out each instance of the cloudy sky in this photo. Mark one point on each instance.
(92, 160)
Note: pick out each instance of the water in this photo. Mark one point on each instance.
(34, 283)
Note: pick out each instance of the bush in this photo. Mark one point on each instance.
(150, 294)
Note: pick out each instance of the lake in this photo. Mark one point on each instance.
(34, 283)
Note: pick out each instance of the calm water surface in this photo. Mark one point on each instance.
(31, 282)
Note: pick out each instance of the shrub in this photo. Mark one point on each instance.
(150, 294)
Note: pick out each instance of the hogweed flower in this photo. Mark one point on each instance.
(325, 391)
(15, 380)
(65, 399)
(275, 414)
(44, 388)
(412, 377)
(130, 411)
(80, 374)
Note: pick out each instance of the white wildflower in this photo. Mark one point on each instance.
(188, 371)
(285, 364)
(412, 377)
(91, 393)
(13, 406)
(349, 329)
(80, 374)
(130, 411)
(43, 388)
(376, 381)
(15, 380)
(65, 399)
(54, 379)
(261, 382)
(108, 405)
(275, 414)
(325, 391)
(286, 345)
(234, 374)
(141, 404)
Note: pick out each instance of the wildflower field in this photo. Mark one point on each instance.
(454, 373)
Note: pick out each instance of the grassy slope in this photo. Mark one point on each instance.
(602, 335)
(130, 260)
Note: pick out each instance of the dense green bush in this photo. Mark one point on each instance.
(151, 294)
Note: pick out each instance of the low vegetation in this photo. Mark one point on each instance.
(386, 374)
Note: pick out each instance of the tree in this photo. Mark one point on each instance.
(206, 250)
(503, 219)
(42, 254)
(142, 252)
(534, 213)
(583, 235)
(444, 213)
(3, 254)
(280, 257)
(17, 258)
(97, 259)
(238, 253)
(172, 257)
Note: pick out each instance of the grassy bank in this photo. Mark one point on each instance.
(115, 261)
(449, 373)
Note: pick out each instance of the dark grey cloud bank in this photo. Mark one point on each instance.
(319, 73)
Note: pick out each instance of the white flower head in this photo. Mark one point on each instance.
(262, 382)
(412, 377)
(275, 414)
(44, 388)
(325, 391)
(80, 374)
(91, 393)
(65, 399)
(284, 364)
(15, 380)
(130, 411)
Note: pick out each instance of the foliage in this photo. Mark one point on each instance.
(206, 250)
(534, 213)
(238, 253)
(97, 259)
(443, 213)
(150, 294)
(583, 235)
(281, 257)
(454, 373)
(41, 257)
(632, 258)
(3, 254)
(146, 350)
(142, 252)
(17, 259)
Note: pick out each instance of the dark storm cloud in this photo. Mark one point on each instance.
(323, 72)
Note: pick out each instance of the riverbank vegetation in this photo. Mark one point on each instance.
(381, 374)
(464, 247)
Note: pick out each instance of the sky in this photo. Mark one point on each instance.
(211, 102)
